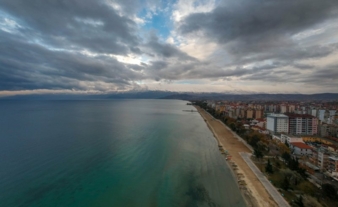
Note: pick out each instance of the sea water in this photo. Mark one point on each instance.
(111, 153)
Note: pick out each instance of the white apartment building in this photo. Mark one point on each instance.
(290, 139)
(322, 115)
(331, 117)
(323, 159)
(277, 123)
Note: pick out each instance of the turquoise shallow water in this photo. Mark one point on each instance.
(110, 153)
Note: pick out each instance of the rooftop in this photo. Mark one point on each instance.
(291, 115)
(260, 119)
(301, 145)
(334, 158)
(278, 115)
(258, 127)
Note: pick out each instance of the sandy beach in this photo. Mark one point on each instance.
(252, 189)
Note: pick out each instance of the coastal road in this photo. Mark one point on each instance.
(268, 186)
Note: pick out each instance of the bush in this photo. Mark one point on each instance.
(310, 202)
(307, 188)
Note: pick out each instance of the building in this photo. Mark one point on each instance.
(277, 123)
(242, 113)
(287, 139)
(333, 164)
(283, 109)
(323, 115)
(314, 157)
(260, 129)
(304, 124)
(331, 117)
(278, 138)
(258, 113)
(328, 130)
(317, 139)
(323, 159)
(292, 108)
(290, 139)
(335, 118)
(300, 148)
(249, 113)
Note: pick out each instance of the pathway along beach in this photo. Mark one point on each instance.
(253, 191)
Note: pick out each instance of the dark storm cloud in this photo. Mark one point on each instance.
(158, 65)
(91, 25)
(31, 66)
(325, 76)
(165, 50)
(259, 24)
(258, 31)
(46, 50)
(74, 44)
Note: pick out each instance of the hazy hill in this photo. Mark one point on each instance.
(180, 95)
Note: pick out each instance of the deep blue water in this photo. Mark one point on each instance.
(110, 153)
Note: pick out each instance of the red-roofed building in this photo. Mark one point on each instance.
(300, 148)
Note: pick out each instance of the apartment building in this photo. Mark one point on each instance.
(302, 124)
(333, 164)
(249, 114)
(283, 109)
(277, 123)
(328, 130)
(258, 113)
(323, 159)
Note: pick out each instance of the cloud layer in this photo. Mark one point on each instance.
(103, 46)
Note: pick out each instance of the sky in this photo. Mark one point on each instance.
(230, 46)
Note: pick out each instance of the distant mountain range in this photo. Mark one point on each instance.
(255, 97)
(180, 96)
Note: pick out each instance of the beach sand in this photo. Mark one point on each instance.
(252, 189)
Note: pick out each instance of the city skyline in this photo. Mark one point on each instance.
(90, 47)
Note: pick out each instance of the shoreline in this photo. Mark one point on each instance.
(252, 190)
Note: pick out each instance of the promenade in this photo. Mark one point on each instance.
(268, 186)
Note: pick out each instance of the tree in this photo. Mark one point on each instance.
(258, 153)
(329, 191)
(254, 140)
(299, 202)
(232, 126)
(302, 172)
(293, 164)
(278, 165)
(287, 144)
(286, 183)
(268, 167)
(283, 148)
(286, 156)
